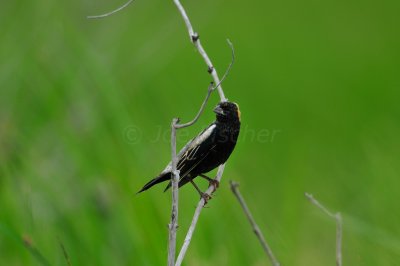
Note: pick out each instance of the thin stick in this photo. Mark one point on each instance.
(34, 251)
(111, 12)
(195, 39)
(196, 215)
(173, 226)
(230, 65)
(65, 253)
(256, 229)
(339, 226)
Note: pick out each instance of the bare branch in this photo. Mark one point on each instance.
(111, 12)
(173, 226)
(339, 237)
(196, 215)
(195, 39)
(339, 226)
(256, 229)
(211, 189)
(230, 65)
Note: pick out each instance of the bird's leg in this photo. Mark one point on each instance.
(213, 182)
(203, 195)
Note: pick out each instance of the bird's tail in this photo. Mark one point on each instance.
(158, 179)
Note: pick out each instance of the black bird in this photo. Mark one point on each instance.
(211, 148)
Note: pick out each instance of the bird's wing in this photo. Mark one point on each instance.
(194, 151)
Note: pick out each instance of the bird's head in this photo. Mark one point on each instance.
(227, 111)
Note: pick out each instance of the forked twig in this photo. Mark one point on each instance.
(339, 226)
(173, 225)
(175, 180)
(256, 228)
(111, 12)
(175, 174)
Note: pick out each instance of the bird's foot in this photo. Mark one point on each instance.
(215, 183)
(206, 197)
(212, 182)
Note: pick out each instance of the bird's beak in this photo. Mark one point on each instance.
(218, 110)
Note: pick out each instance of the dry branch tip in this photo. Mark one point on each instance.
(339, 225)
(111, 12)
(256, 229)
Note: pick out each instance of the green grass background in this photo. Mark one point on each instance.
(82, 103)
